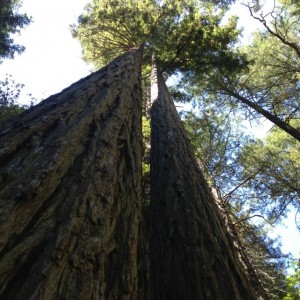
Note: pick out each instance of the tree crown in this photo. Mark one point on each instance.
(184, 34)
(10, 23)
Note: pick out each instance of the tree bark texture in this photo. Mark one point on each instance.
(191, 253)
(70, 177)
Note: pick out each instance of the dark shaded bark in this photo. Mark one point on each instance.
(70, 172)
(144, 254)
(192, 255)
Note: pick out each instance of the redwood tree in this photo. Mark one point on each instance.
(70, 172)
(191, 253)
(70, 200)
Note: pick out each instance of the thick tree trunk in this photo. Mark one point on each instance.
(70, 191)
(192, 255)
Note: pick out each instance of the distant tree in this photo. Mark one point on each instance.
(215, 140)
(263, 174)
(9, 94)
(10, 23)
(264, 254)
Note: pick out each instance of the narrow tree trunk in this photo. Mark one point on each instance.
(192, 256)
(70, 191)
(294, 132)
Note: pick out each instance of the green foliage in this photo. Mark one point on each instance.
(266, 258)
(184, 34)
(276, 164)
(269, 82)
(146, 161)
(10, 92)
(292, 6)
(273, 78)
(10, 23)
(293, 283)
(216, 141)
(109, 28)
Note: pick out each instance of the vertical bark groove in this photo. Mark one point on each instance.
(70, 171)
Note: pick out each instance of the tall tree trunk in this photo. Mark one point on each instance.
(70, 191)
(284, 125)
(192, 255)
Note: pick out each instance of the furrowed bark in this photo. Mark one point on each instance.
(191, 253)
(70, 172)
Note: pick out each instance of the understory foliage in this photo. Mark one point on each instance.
(9, 95)
(10, 23)
(293, 281)
(146, 161)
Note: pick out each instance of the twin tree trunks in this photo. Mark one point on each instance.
(70, 200)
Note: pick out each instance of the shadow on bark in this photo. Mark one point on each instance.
(192, 255)
(70, 176)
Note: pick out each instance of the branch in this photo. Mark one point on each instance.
(276, 34)
(260, 216)
(228, 195)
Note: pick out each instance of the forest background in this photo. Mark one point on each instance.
(52, 61)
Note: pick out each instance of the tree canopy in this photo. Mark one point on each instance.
(190, 37)
(276, 163)
(10, 23)
(269, 84)
(191, 41)
(184, 34)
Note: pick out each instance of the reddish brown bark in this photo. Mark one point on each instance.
(192, 255)
(70, 191)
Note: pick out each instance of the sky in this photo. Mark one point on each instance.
(52, 62)
(52, 59)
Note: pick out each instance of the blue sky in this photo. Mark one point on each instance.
(52, 61)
